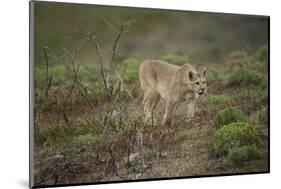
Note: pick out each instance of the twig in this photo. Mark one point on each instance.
(123, 84)
(115, 45)
(93, 39)
(48, 78)
(117, 38)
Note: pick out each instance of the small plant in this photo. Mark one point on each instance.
(54, 133)
(241, 56)
(190, 134)
(232, 136)
(229, 115)
(58, 72)
(39, 75)
(239, 155)
(89, 71)
(175, 58)
(261, 54)
(86, 139)
(213, 76)
(243, 76)
(216, 100)
(259, 116)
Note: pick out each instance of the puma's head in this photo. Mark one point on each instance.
(197, 81)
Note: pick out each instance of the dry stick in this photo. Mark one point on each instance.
(131, 142)
(113, 58)
(104, 123)
(115, 45)
(104, 129)
(47, 64)
(75, 71)
(123, 84)
(100, 122)
(76, 80)
(79, 83)
(48, 79)
(107, 22)
(84, 94)
(121, 31)
(100, 60)
(113, 158)
(54, 58)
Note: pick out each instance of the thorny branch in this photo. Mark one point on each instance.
(48, 77)
(93, 39)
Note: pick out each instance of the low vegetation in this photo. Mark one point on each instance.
(234, 136)
(216, 100)
(243, 77)
(259, 116)
(214, 76)
(84, 140)
(239, 155)
(131, 66)
(261, 54)
(239, 57)
(52, 135)
(175, 58)
(190, 134)
(229, 115)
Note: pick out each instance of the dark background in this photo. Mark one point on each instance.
(204, 37)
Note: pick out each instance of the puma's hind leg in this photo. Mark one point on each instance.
(151, 99)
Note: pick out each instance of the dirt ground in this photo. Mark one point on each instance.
(164, 155)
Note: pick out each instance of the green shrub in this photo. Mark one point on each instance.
(175, 58)
(86, 139)
(231, 136)
(243, 76)
(216, 100)
(229, 115)
(132, 67)
(239, 155)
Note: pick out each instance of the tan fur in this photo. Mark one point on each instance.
(174, 84)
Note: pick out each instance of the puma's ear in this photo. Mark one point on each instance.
(204, 71)
(191, 75)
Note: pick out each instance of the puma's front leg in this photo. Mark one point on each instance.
(191, 109)
(169, 113)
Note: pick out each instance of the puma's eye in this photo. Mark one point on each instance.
(197, 83)
(204, 82)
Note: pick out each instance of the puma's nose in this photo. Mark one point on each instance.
(201, 91)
